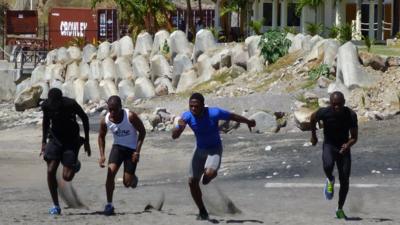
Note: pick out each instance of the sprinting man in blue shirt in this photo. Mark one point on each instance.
(207, 155)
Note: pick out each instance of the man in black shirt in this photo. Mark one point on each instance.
(62, 130)
(338, 122)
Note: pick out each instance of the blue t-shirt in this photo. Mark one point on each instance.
(205, 127)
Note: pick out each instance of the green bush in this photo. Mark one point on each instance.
(256, 26)
(368, 42)
(291, 30)
(333, 32)
(274, 45)
(321, 70)
(345, 33)
(314, 28)
(398, 35)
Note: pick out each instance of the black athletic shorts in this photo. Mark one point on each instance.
(67, 153)
(121, 154)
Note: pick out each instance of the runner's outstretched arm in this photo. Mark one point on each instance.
(313, 123)
(138, 124)
(45, 130)
(85, 122)
(353, 139)
(242, 119)
(177, 131)
(102, 141)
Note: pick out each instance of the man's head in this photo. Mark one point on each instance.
(114, 106)
(337, 101)
(54, 98)
(196, 104)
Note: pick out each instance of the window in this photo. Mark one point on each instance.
(267, 14)
(293, 19)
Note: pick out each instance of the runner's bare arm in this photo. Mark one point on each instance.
(102, 141)
(177, 131)
(85, 122)
(242, 119)
(353, 139)
(138, 124)
(313, 123)
(45, 130)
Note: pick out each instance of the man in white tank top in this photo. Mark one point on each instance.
(128, 133)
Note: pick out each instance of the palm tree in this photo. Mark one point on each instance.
(144, 14)
(314, 4)
(189, 18)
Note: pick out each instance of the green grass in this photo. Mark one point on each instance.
(382, 50)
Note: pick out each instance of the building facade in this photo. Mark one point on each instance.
(374, 18)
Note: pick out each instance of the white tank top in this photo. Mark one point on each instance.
(124, 133)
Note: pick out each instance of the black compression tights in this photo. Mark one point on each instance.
(330, 155)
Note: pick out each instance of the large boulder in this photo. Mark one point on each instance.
(255, 64)
(204, 41)
(160, 67)
(339, 86)
(72, 71)
(37, 74)
(331, 47)
(144, 88)
(75, 53)
(115, 50)
(163, 86)
(126, 89)
(68, 89)
(375, 61)
(221, 58)
(95, 70)
(265, 122)
(160, 38)
(179, 44)
(63, 56)
(302, 118)
(239, 56)
(181, 64)
(45, 89)
(144, 44)
(28, 98)
(140, 66)
(23, 85)
(92, 91)
(300, 42)
(7, 85)
(187, 80)
(204, 68)
(56, 84)
(51, 57)
(84, 70)
(124, 69)
(393, 61)
(88, 53)
(109, 70)
(349, 70)
(104, 50)
(126, 46)
(54, 71)
(79, 90)
(314, 40)
(107, 89)
(251, 44)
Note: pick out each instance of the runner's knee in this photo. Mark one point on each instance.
(193, 182)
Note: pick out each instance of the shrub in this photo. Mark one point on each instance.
(290, 30)
(317, 72)
(345, 33)
(256, 26)
(314, 28)
(333, 32)
(274, 45)
(368, 42)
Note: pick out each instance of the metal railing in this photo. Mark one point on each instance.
(385, 27)
(27, 60)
